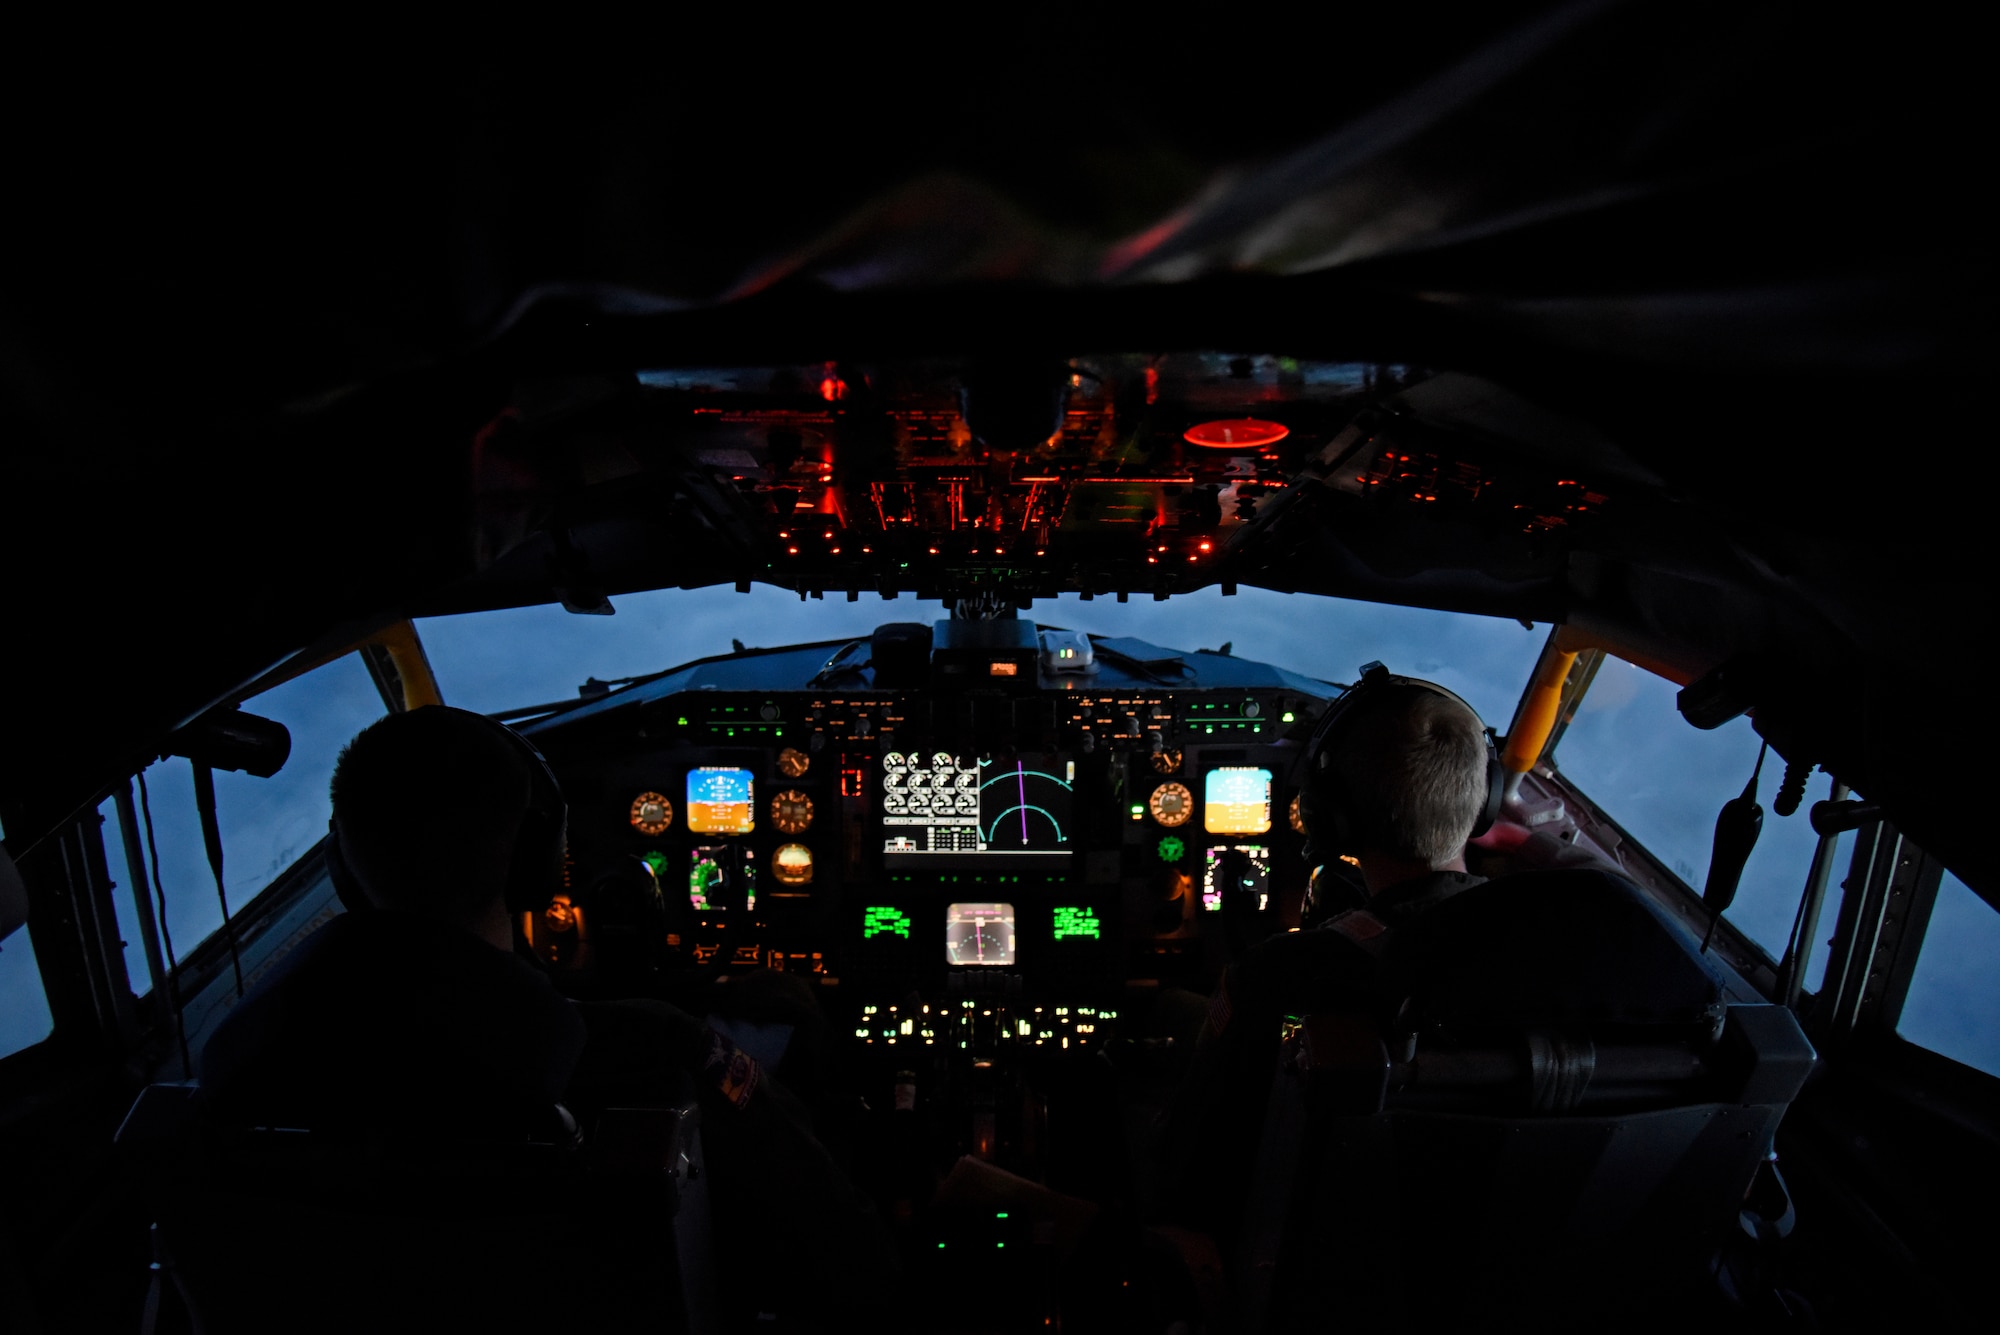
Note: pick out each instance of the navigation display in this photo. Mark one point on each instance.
(979, 934)
(1237, 800)
(1243, 869)
(941, 809)
(721, 878)
(720, 800)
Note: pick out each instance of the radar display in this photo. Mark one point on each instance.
(979, 934)
(940, 808)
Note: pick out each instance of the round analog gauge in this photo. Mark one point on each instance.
(792, 812)
(792, 864)
(651, 813)
(1298, 821)
(1166, 762)
(1171, 804)
(793, 763)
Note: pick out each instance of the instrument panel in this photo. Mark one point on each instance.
(1055, 844)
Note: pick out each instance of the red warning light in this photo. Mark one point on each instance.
(1236, 433)
(833, 389)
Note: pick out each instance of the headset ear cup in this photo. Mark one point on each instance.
(537, 868)
(1496, 790)
(1309, 817)
(346, 886)
(1325, 819)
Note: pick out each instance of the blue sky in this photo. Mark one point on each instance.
(1628, 748)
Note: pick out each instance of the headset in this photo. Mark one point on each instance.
(534, 870)
(1323, 808)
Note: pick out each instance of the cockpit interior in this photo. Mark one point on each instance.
(1656, 337)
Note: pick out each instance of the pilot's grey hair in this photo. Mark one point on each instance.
(1413, 769)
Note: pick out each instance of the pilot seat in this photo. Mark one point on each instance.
(378, 1142)
(1556, 1119)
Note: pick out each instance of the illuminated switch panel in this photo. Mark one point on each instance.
(795, 961)
(1122, 718)
(1237, 718)
(985, 1027)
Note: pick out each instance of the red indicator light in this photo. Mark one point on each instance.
(832, 388)
(1204, 546)
(1236, 433)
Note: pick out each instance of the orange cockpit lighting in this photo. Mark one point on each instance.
(1236, 433)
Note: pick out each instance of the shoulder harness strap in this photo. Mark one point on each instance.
(1364, 929)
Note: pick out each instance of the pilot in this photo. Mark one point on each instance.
(414, 997)
(1400, 776)
(413, 1013)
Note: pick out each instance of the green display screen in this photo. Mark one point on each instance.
(883, 921)
(1077, 922)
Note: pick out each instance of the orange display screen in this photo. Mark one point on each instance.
(1236, 799)
(721, 800)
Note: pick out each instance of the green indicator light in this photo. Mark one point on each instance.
(1172, 849)
(1000, 1214)
(1138, 811)
(940, 1246)
(1076, 922)
(879, 921)
(655, 859)
(999, 1244)
(683, 721)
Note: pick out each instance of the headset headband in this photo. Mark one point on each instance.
(1322, 800)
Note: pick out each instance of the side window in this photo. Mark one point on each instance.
(267, 824)
(1629, 749)
(24, 1006)
(1953, 1007)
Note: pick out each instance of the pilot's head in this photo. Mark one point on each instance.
(1411, 774)
(428, 809)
